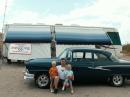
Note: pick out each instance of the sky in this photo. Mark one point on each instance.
(101, 13)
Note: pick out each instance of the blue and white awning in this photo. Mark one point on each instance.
(65, 35)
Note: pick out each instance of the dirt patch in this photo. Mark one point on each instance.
(12, 84)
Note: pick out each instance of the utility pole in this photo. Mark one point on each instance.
(53, 42)
(1, 40)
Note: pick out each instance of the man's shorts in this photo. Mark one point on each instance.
(61, 82)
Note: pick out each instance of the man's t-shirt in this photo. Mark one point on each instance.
(61, 72)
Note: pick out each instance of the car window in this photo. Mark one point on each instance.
(100, 57)
(69, 56)
(63, 54)
(78, 56)
(88, 55)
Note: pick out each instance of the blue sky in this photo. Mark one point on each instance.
(106, 13)
(52, 6)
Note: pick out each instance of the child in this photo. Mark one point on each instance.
(69, 76)
(53, 72)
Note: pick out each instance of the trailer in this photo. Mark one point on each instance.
(23, 42)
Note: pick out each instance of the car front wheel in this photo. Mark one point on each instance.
(42, 81)
(117, 80)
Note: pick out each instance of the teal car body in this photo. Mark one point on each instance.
(87, 64)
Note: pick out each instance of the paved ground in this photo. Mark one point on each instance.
(13, 85)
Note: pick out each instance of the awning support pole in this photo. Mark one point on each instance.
(53, 42)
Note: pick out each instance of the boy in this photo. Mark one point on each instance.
(53, 72)
(69, 77)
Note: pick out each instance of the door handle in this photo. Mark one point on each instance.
(90, 67)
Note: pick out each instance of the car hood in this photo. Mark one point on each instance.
(40, 61)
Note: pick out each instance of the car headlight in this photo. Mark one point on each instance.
(25, 70)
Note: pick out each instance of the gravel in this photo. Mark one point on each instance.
(12, 84)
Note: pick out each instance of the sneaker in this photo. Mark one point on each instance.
(55, 91)
(52, 90)
(63, 88)
(72, 91)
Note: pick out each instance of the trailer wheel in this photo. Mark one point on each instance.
(9, 61)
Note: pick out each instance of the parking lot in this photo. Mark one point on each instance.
(12, 84)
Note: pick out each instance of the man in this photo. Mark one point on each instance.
(61, 77)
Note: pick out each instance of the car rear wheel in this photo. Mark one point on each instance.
(42, 81)
(117, 80)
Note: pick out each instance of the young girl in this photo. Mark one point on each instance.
(69, 77)
(53, 72)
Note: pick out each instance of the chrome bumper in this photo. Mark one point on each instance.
(28, 76)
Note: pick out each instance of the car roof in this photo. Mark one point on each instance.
(89, 49)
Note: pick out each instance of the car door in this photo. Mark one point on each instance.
(82, 63)
(100, 62)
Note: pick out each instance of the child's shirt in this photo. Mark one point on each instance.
(53, 71)
(68, 73)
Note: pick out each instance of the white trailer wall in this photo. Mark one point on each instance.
(42, 50)
(39, 50)
(60, 48)
(114, 49)
(5, 50)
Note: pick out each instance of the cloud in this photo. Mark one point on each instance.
(109, 13)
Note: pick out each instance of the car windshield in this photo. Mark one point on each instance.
(114, 58)
(63, 54)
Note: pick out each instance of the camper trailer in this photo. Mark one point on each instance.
(23, 42)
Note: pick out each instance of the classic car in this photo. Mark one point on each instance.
(87, 64)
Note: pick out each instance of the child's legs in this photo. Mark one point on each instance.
(56, 82)
(65, 82)
(51, 83)
(71, 85)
